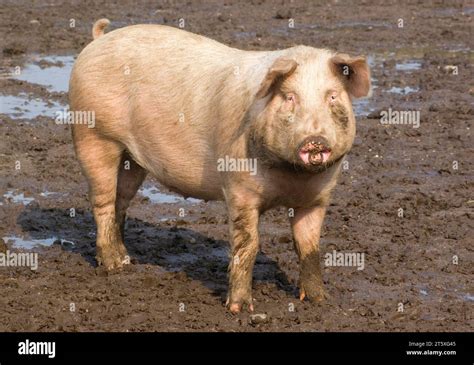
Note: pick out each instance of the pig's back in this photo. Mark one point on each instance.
(166, 58)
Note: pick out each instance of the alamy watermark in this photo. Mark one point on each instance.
(345, 259)
(47, 348)
(19, 259)
(409, 117)
(67, 116)
(237, 165)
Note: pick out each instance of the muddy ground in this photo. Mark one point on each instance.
(420, 256)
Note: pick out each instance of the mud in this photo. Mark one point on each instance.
(404, 199)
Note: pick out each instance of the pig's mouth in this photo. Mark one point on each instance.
(313, 152)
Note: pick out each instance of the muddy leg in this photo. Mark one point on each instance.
(244, 248)
(100, 159)
(130, 177)
(306, 226)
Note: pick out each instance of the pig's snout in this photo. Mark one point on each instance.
(314, 151)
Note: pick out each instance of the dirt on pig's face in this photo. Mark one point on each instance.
(306, 121)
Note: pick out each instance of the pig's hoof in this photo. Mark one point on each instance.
(236, 306)
(315, 295)
(113, 261)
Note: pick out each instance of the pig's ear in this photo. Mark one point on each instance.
(354, 72)
(281, 68)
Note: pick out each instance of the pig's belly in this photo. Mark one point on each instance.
(189, 173)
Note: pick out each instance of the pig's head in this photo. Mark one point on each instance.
(302, 113)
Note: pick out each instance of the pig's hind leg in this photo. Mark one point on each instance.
(130, 178)
(100, 160)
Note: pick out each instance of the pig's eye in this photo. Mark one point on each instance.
(290, 98)
(332, 97)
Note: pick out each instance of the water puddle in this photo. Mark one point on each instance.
(403, 90)
(50, 71)
(468, 297)
(367, 25)
(51, 194)
(158, 197)
(17, 198)
(410, 54)
(361, 24)
(410, 65)
(453, 11)
(21, 106)
(245, 35)
(29, 243)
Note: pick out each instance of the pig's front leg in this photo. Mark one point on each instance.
(306, 225)
(243, 218)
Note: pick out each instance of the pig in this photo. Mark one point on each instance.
(172, 103)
